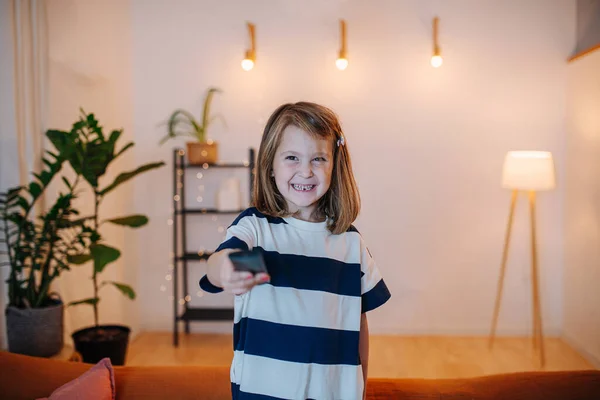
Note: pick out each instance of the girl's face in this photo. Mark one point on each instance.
(302, 169)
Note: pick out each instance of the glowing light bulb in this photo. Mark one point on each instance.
(436, 61)
(341, 63)
(247, 64)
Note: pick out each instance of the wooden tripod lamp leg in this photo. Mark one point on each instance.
(503, 267)
(538, 335)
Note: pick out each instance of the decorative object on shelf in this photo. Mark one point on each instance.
(183, 123)
(37, 248)
(342, 61)
(229, 195)
(250, 57)
(528, 171)
(90, 153)
(436, 58)
(182, 254)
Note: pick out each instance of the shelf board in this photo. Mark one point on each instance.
(207, 314)
(205, 211)
(220, 165)
(195, 256)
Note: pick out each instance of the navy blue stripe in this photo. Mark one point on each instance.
(299, 344)
(352, 228)
(239, 328)
(375, 297)
(313, 273)
(233, 243)
(207, 286)
(253, 211)
(237, 394)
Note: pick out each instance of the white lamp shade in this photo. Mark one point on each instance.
(528, 170)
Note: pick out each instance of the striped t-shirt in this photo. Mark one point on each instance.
(297, 336)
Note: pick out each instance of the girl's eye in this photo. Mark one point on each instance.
(292, 158)
(320, 159)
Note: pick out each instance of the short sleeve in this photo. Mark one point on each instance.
(374, 291)
(240, 236)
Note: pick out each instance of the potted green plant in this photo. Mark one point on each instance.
(90, 153)
(38, 250)
(183, 123)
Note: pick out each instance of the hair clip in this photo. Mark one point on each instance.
(340, 141)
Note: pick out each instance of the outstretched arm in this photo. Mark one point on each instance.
(221, 274)
(363, 349)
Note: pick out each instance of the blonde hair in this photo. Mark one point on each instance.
(341, 203)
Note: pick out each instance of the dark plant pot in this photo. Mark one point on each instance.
(35, 331)
(96, 343)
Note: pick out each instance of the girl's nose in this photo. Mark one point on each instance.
(306, 170)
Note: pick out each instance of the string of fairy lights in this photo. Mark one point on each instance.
(200, 198)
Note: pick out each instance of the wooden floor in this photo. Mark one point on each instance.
(390, 356)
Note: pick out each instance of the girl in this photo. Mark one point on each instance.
(300, 331)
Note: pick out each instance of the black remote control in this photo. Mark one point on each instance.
(248, 261)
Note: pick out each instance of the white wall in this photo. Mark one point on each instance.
(90, 67)
(582, 232)
(427, 144)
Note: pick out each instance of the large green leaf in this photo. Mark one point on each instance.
(23, 203)
(133, 221)
(103, 255)
(124, 149)
(60, 140)
(79, 259)
(91, 301)
(125, 289)
(35, 189)
(124, 177)
(114, 136)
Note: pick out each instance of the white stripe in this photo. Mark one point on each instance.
(289, 380)
(243, 231)
(286, 239)
(371, 276)
(299, 307)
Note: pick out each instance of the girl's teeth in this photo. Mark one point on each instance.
(303, 187)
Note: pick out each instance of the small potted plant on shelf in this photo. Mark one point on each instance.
(90, 153)
(38, 250)
(183, 123)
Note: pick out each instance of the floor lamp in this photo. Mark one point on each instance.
(525, 171)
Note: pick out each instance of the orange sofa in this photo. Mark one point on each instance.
(23, 377)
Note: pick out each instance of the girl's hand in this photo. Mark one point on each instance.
(239, 282)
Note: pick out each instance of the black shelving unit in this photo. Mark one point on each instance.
(181, 256)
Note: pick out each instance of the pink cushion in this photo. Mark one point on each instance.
(97, 383)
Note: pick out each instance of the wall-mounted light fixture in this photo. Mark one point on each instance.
(342, 61)
(436, 58)
(250, 58)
